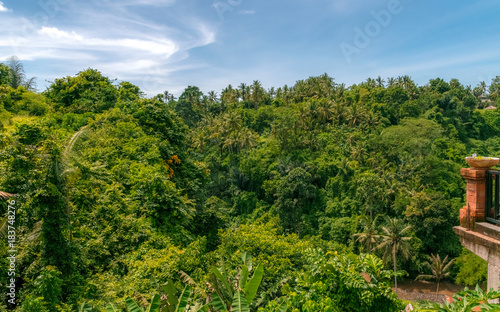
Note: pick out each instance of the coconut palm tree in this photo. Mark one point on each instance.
(272, 93)
(371, 83)
(232, 121)
(257, 93)
(395, 241)
(356, 113)
(391, 81)
(340, 89)
(247, 139)
(325, 110)
(229, 95)
(168, 97)
(367, 238)
(380, 82)
(243, 91)
(440, 269)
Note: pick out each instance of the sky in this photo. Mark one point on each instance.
(167, 45)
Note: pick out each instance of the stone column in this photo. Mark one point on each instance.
(474, 210)
(493, 277)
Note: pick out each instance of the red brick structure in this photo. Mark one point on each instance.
(474, 210)
(475, 234)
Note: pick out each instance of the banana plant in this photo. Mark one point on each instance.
(112, 308)
(237, 298)
(170, 303)
(85, 307)
(132, 306)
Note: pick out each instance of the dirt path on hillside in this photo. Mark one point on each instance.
(426, 290)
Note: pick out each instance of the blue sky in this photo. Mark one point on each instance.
(169, 44)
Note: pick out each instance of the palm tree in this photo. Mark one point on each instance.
(395, 242)
(229, 95)
(341, 88)
(483, 86)
(391, 81)
(257, 93)
(371, 83)
(356, 114)
(232, 121)
(380, 82)
(339, 112)
(247, 139)
(439, 268)
(198, 140)
(243, 91)
(231, 142)
(325, 110)
(272, 93)
(212, 96)
(367, 238)
(17, 77)
(168, 97)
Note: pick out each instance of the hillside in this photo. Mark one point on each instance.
(118, 193)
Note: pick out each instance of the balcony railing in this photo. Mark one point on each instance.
(492, 196)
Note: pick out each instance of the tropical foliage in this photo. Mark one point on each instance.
(118, 193)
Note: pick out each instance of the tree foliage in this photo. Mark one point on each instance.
(115, 188)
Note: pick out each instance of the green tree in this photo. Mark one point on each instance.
(89, 91)
(368, 237)
(395, 242)
(472, 270)
(466, 301)
(440, 269)
(189, 106)
(4, 74)
(494, 88)
(16, 72)
(296, 196)
(339, 282)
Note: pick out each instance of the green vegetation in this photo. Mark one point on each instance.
(466, 301)
(254, 200)
(439, 269)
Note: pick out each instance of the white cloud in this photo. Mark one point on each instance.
(147, 59)
(74, 41)
(3, 8)
(207, 35)
(128, 46)
(55, 33)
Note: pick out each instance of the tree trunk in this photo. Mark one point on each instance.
(394, 260)
(437, 289)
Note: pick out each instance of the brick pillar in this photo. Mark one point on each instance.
(475, 208)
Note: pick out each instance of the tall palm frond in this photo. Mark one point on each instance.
(367, 238)
(440, 269)
(395, 242)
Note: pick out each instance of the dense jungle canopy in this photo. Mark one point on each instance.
(118, 193)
